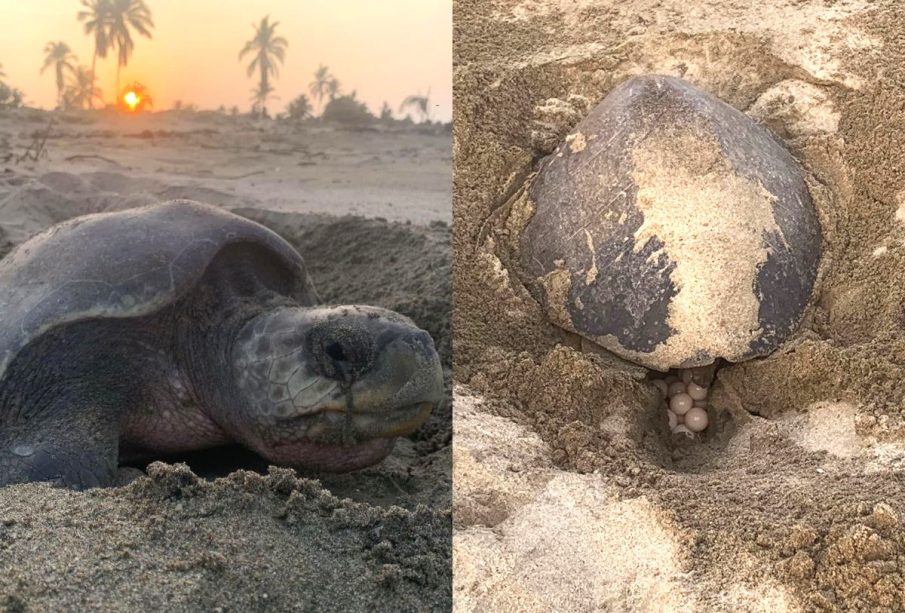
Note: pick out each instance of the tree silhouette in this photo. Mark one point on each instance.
(268, 49)
(126, 15)
(259, 97)
(324, 84)
(300, 108)
(10, 97)
(347, 110)
(97, 16)
(82, 89)
(386, 113)
(333, 88)
(60, 57)
(420, 103)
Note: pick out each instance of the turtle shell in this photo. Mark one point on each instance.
(671, 229)
(128, 264)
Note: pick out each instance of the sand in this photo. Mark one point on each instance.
(571, 494)
(226, 532)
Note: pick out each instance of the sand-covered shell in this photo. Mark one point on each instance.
(671, 229)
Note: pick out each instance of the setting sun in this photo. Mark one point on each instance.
(135, 98)
(131, 99)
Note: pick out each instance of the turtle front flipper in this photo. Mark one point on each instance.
(68, 448)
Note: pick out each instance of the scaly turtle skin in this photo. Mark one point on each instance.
(671, 229)
(180, 326)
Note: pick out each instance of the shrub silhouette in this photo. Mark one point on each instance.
(10, 97)
(347, 110)
(300, 108)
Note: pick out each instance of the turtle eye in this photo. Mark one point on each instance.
(343, 352)
(335, 352)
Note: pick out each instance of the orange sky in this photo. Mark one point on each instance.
(384, 49)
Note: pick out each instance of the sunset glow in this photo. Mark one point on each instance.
(384, 51)
(132, 100)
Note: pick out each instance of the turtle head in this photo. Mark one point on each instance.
(331, 388)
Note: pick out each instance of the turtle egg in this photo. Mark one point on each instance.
(680, 403)
(673, 419)
(676, 387)
(687, 376)
(696, 391)
(696, 419)
(680, 429)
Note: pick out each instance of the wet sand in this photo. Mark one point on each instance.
(369, 211)
(571, 493)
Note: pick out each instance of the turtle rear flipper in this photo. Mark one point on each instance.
(78, 470)
(74, 451)
(64, 408)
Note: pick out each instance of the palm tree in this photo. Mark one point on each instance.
(333, 88)
(60, 57)
(82, 89)
(267, 49)
(97, 23)
(259, 97)
(124, 15)
(321, 84)
(420, 103)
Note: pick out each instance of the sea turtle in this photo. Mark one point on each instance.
(180, 326)
(671, 229)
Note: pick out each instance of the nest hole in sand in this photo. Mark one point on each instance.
(671, 445)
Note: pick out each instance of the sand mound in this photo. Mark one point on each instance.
(247, 542)
(793, 499)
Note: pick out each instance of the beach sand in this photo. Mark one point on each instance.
(369, 211)
(571, 494)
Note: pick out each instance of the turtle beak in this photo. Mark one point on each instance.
(337, 385)
(393, 398)
(404, 385)
(373, 406)
(387, 371)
